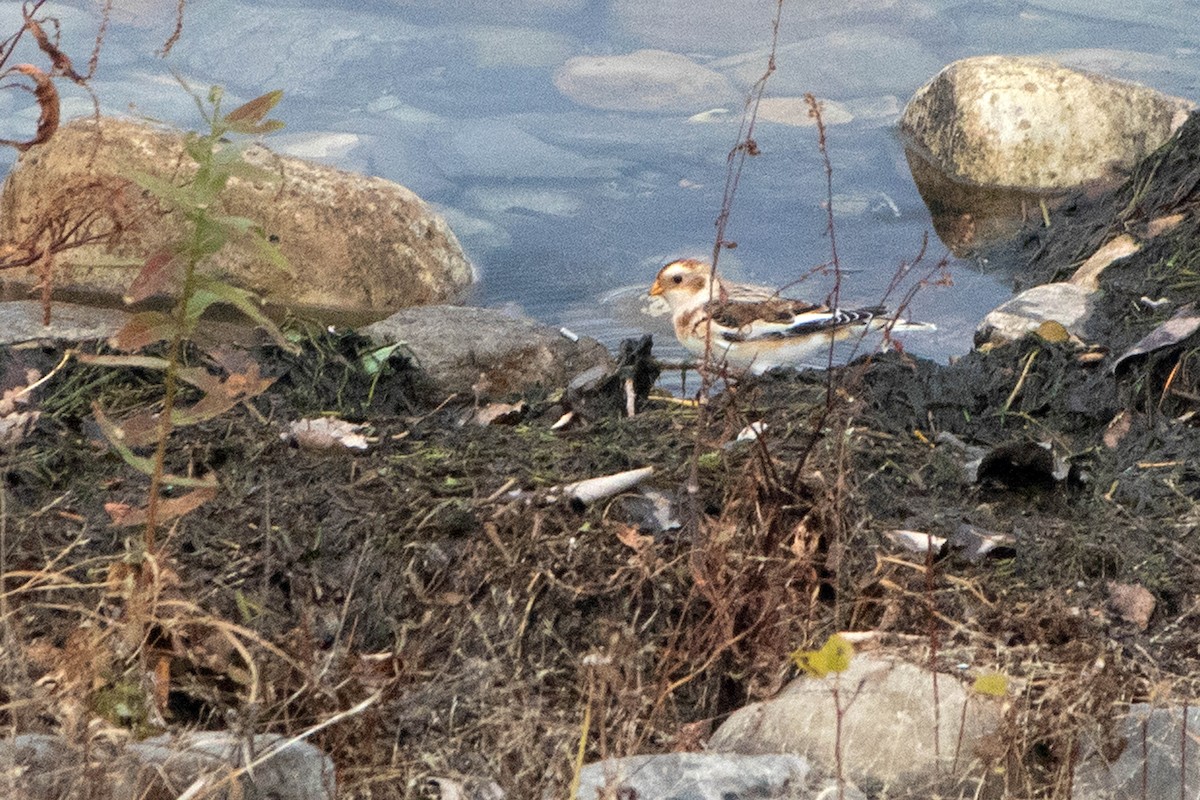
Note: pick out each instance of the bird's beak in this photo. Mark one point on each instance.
(656, 289)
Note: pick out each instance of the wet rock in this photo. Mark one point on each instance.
(493, 148)
(880, 696)
(1068, 304)
(646, 80)
(840, 65)
(1030, 123)
(47, 767)
(707, 776)
(487, 352)
(1065, 303)
(358, 245)
(1152, 758)
(731, 25)
(795, 111)
(21, 321)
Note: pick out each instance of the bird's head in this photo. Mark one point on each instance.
(685, 284)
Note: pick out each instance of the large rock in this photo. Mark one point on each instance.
(43, 767)
(708, 776)
(1029, 123)
(1151, 753)
(21, 321)
(647, 80)
(487, 351)
(358, 246)
(888, 723)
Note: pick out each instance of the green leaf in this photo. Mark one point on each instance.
(993, 684)
(245, 171)
(210, 291)
(270, 252)
(208, 237)
(144, 465)
(373, 361)
(198, 148)
(183, 197)
(834, 656)
(234, 224)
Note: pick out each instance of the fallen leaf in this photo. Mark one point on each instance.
(324, 433)
(1053, 331)
(499, 414)
(1088, 274)
(1179, 327)
(916, 541)
(628, 535)
(1132, 603)
(1117, 428)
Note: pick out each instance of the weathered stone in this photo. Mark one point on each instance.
(888, 732)
(42, 767)
(357, 245)
(1068, 304)
(841, 65)
(1152, 753)
(731, 25)
(1030, 123)
(487, 351)
(707, 776)
(21, 321)
(647, 80)
(795, 111)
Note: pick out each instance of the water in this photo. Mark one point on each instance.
(568, 210)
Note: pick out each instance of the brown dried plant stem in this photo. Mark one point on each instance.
(735, 163)
(170, 392)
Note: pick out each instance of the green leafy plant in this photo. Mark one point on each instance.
(178, 272)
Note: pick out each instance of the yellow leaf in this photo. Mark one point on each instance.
(993, 684)
(834, 656)
(1053, 331)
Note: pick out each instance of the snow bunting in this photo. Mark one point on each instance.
(752, 328)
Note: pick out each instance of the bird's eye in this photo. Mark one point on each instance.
(677, 279)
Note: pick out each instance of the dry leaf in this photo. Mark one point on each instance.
(916, 541)
(499, 414)
(628, 535)
(1179, 327)
(324, 433)
(1117, 428)
(1132, 603)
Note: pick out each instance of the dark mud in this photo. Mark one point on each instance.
(437, 578)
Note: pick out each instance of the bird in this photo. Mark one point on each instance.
(751, 327)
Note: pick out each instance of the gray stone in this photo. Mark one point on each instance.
(358, 246)
(841, 65)
(469, 350)
(1068, 304)
(889, 732)
(21, 321)
(647, 80)
(1158, 757)
(706, 776)
(1030, 123)
(732, 25)
(42, 767)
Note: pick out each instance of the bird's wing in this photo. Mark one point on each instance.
(783, 319)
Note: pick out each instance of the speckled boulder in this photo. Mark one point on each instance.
(358, 246)
(1030, 123)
